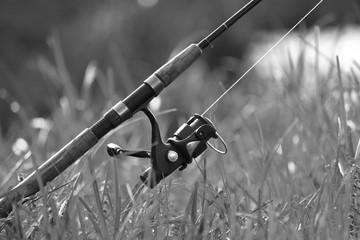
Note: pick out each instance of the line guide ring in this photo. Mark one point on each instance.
(222, 142)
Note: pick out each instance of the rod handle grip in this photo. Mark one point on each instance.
(178, 64)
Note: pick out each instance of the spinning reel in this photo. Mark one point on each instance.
(188, 142)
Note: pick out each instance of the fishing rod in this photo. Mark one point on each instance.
(188, 142)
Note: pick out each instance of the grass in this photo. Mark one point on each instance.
(291, 171)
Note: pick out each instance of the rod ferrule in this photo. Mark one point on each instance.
(155, 83)
(122, 110)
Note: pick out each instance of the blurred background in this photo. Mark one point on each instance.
(132, 38)
(64, 63)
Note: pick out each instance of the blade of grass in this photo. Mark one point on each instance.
(277, 145)
(12, 171)
(224, 175)
(262, 144)
(91, 216)
(317, 209)
(204, 185)
(18, 223)
(106, 183)
(64, 76)
(203, 229)
(43, 192)
(59, 227)
(247, 193)
(111, 85)
(89, 78)
(194, 204)
(74, 228)
(81, 220)
(117, 198)
(189, 210)
(104, 229)
(167, 209)
(342, 112)
(122, 69)
(130, 200)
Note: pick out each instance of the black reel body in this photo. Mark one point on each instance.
(188, 142)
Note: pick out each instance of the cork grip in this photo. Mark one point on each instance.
(177, 65)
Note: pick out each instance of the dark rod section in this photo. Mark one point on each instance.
(227, 24)
(139, 98)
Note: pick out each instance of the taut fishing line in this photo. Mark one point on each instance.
(261, 58)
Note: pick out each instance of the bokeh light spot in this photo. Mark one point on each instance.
(20, 147)
(15, 107)
(291, 167)
(155, 104)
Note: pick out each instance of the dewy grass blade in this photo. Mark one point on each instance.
(342, 112)
(261, 58)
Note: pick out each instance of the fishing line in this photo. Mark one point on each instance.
(261, 58)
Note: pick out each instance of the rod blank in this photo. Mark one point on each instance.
(227, 24)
